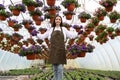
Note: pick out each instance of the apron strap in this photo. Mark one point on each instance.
(61, 29)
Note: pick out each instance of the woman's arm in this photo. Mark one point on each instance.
(70, 34)
(45, 35)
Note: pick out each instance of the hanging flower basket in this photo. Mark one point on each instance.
(30, 57)
(35, 14)
(42, 30)
(52, 11)
(83, 16)
(112, 20)
(16, 12)
(17, 8)
(31, 8)
(70, 4)
(71, 41)
(2, 17)
(68, 14)
(108, 4)
(83, 20)
(100, 18)
(71, 7)
(108, 9)
(51, 20)
(114, 16)
(10, 23)
(51, 2)
(81, 54)
(38, 21)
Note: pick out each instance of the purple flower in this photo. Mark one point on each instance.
(81, 31)
(34, 33)
(2, 7)
(21, 7)
(39, 3)
(23, 48)
(1, 30)
(67, 4)
(15, 21)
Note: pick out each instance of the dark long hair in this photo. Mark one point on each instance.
(54, 24)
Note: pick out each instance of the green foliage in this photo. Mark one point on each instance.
(36, 12)
(110, 29)
(17, 26)
(114, 15)
(66, 3)
(51, 8)
(5, 13)
(84, 15)
(29, 2)
(100, 12)
(108, 3)
(102, 27)
(90, 25)
(20, 7)
(94, 20)
(69, 12)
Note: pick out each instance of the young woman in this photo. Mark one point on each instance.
(57, 35)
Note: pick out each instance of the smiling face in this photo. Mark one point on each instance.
(58, 21)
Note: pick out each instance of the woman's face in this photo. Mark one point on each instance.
(58, 21)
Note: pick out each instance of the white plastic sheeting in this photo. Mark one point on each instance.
(104, 57)
(12, 61)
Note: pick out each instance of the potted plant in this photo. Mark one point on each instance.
(30, 29)
(48, 16)
(66, 25)
(90, 48)
(27, 23)
(77, 27)
(4, 14)
(42, 30)
(83, 16)
(70, 4)
(23, 52)
(68, 14)
(40, 41)
(2, 7)
(101, 27)
(8, 36)
(50, 2)
(51, 9)
(11, 22)
(39, 20)
(94, 20)
(17, 8)
(108, 4)
(114, 16)
(110, 30)
(103, 34)
(30, 4)
(17, 27)
(17, 36)
(39, 3)
(90, 25)
(113, 35)
(35, 14)
(100, 13)
(74, 50)
(117, 31)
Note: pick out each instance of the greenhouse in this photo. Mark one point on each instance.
(93, 55)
